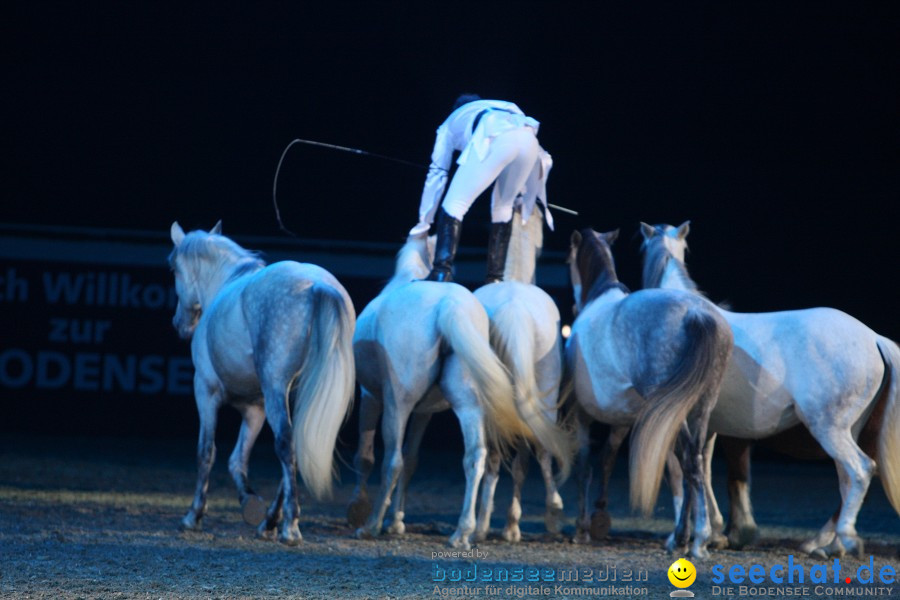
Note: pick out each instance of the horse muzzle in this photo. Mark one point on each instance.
(185, 322)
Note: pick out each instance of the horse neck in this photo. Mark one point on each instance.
(662, 270)
(599, 279)
(222, 273)
(524, 244)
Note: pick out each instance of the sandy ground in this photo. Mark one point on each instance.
(98, 519)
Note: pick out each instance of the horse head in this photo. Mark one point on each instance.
(591, 265)
(187, 280)
(189, 307)
(674, 239)
(662, 244)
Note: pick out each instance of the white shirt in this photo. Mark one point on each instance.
(456, 135)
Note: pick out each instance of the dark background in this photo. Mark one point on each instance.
(771, 126)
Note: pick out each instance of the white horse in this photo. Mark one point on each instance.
(820, 367)
(525, 334)
(262, 336)
(421, 347)
(653, 359)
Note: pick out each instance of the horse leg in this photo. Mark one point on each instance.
(208, 409)
(678, 466)
(369, 412)
(675, 475)
(519, 471)
(276, 403)
(393, 427)
(742, 528)
(410, 461)
(583, 476)
(601, 521)
(855, 470)
(488, 487)
(716, 521)
(266, 529)
(695, 471)
(553, 501)
(468, 409)
(825, 537)
(252, 506)
(471, 420)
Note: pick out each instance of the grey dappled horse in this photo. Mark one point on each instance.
(525, 334)
(261, 338)
(820, 367)
(653, 359)
(422, 347)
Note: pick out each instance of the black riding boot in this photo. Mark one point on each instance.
(498, 245)
(448, 230)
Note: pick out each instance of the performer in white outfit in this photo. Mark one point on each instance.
(498, 143)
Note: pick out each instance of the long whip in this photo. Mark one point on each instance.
(361, 153)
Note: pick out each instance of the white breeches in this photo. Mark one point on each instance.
(510, 159)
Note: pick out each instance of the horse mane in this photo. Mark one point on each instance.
(199, 248)
(657, 258)
(413, 261)
(525, 245)
(596, 267)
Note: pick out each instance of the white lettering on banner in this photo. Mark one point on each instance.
(92, 371)
(106, 289)
(12, 287)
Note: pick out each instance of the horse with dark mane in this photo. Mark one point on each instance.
(654, 360)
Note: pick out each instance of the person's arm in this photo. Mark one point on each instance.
(435, 181)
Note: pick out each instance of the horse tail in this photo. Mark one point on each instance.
(469, 340)
(889, 437)
(699, 372)
(512, 337)
(324, 387)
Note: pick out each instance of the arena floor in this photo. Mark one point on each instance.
(98, 518)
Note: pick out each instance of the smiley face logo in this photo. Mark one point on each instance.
(682, 573)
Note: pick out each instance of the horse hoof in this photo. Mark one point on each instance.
(513, 535)
(479, 535)
(742, 536)
(601, 523)
(291, 540)
(581, 537)
(253, 509)
(364, 533)
(189, 523)
(835, 548)
(264, 533)
(358, 511)
(718, 541)
(459, 541)
(699, 552)
(397, 528)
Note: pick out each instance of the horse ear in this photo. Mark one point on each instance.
(683, 230)
(575, 240)
(217, 228)
(611, 237)
(177, 233)
(648, 231)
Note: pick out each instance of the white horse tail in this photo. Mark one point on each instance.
(699, 371)
(469, 340)
(324, 387)
(512, 337)
(889, 437)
